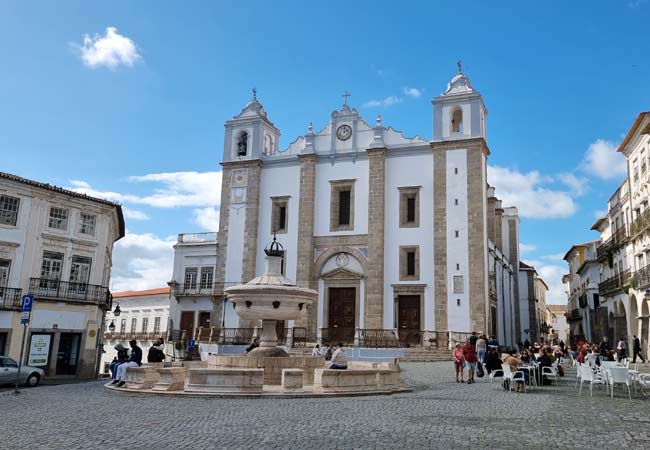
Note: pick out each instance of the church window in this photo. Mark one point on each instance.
(268, 145)
(458, 284)
(457, 266)
(409, 207)
(456, 202)
(457, 233)
(457, 302)
(409, 263)
(457, 121)
(279, 214)
(455, 170)
(342, 205)
(242, 144)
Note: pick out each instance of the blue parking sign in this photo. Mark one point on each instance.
(26, 303)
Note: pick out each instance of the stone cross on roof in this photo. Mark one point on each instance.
(345, 96)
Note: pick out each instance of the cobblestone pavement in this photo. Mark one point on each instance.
(439, 414)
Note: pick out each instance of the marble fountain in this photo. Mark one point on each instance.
(268, 370)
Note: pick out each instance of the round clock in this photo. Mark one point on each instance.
(344, 132)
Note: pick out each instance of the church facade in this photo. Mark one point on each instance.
(397, 234)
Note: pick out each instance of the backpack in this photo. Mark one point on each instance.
(479, 370)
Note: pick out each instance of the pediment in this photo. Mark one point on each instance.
(342, 274)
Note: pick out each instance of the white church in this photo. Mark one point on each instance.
(401, 236)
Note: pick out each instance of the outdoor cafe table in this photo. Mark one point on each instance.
(532, 374)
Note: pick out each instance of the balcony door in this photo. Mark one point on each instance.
(5, 264)
(80, 274)
(51, 271)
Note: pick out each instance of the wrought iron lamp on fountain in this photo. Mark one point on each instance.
(269, 298)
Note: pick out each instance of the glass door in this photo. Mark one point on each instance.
(80, 274)
(68, 354)
(51, 272)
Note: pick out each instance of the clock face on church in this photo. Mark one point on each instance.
(344, 132)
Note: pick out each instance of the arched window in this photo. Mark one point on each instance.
(268, 145)
(242, 144)
(457, 121)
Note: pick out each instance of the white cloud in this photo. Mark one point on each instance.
(412, 92)
(110, 50)
(554, 256)
(207, 218)
(142, 261)
(578, 185)
(176, 189)
(552, 275)
(134, 214)
(527, 192)
(603, 161)
(527, 248)
(388, 101)
(600, 213)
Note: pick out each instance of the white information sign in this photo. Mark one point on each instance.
(39, 349)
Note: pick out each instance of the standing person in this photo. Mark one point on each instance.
(526, 344)
(562, 347)
(156, 352)
(604, 345)
(473, 338)
(469, 352)
(315, 353)
(339, 358)
(459, 362)
(493, 343)
(481, 348)
(134, 361)
(621, 349)
(636, 349)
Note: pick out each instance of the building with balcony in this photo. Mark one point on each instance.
(583, 284)
(56, 245)
(143, 316)
(196, 310)
(532, 305)
(559, 326)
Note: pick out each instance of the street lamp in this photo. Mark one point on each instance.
(111, 327)
(117, 311)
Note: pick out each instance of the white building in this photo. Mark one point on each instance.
(584, 297)
(56, 245)
(143, 316)
(532, 305)
(392, 231)
(559, 324)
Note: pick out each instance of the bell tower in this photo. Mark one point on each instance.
(459, 112)
(249, 137)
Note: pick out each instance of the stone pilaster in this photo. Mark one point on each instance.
(252, 219)
(477, 234)
(374, 302)
(513, 233)
(305, 250)
(440, 238)
(498, 227)
(222, 235)
(491, 217)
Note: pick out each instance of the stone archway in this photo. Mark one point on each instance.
(633, 318)
(620, 322)
(645, 327)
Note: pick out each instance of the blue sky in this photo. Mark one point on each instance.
(562, 81)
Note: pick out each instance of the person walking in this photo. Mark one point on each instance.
(459, 362)
(135, 361)
(481, 348)
(469, 352)
(621, 349)
(636, 349)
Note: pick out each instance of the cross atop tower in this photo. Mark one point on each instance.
(345, 96)
(254, 93)
(459, 63)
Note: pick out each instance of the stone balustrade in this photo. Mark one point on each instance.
(292, 380)
(143, 377)
(225, 380)
(171, 379)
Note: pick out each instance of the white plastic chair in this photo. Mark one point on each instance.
(493, 374)
(578, 373)
(587, 375)
(619, 375)
(551, 372)
(511, 377)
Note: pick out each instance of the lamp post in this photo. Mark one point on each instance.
(111, 327)
(117, 310)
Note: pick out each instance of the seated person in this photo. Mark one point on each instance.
(511, 360)
(492, 361)
(254, 345)
(121, 358)
(339, 358)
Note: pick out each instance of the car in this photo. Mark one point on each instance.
(30, 376)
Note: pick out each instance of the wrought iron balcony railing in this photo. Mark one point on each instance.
(617, 282)
(641, 278)
(10, 298)
(640, 224)
(193, 289)
(615, 241)
(64, 291)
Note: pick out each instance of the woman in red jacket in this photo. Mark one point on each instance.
(470, 360)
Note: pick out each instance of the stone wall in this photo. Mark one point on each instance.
(374, 304)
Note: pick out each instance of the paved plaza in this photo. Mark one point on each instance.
(439, 414)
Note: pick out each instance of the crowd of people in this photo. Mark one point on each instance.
(602, 351)
(133, 358)
(480, 355)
